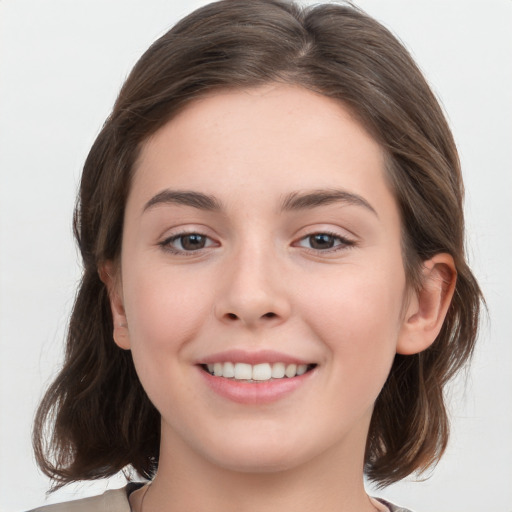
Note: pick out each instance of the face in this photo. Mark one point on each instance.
(261, 238)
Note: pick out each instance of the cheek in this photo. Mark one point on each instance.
(164, 315)
(163, 311)
(358, 317)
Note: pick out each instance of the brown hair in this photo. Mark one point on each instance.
(102, 421)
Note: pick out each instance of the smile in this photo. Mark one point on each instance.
(261, 372)
(255, 377)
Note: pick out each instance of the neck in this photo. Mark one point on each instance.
(330, 482)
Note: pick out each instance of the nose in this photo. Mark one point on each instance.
(253, 291)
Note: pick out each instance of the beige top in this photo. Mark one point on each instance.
(116, 500)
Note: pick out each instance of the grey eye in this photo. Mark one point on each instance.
(322, 241)
(193, 242)
(188, 242)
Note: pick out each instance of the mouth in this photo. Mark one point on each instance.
(257, 373)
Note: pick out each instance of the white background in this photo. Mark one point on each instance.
(61, 65)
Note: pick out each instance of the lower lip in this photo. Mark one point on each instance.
(254, 392)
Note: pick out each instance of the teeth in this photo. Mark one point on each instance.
(258, 372)
(228, 370)
(217, 369)
(291, 370)
(302, 369)
(278, 370)
(261, 372)
(243, 371)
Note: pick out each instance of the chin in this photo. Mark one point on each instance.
(260, 464)
(258, 455)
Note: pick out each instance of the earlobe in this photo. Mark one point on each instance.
(108, 274)
(428, 307)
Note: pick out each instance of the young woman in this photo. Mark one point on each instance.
(275, 291)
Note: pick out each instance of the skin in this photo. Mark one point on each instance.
(259, 283)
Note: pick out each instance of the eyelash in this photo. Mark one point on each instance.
(344, 243)
(166, 244)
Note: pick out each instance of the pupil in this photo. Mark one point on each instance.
(321, 241)
(193, 242)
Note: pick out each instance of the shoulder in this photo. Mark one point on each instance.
(391, 507)
(115, 500)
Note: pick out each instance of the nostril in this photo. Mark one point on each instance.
(233, 316)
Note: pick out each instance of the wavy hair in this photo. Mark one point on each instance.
(95, 418)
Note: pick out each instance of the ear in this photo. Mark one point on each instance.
(109, 275)
(427, 308)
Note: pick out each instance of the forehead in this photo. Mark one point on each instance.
(274, 137)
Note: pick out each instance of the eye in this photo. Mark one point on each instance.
(187, 242)
(324, 242)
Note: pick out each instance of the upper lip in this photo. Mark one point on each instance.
(244, 356)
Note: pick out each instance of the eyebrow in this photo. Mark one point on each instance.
(186, 198)
(291, 202)
(322, 197)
